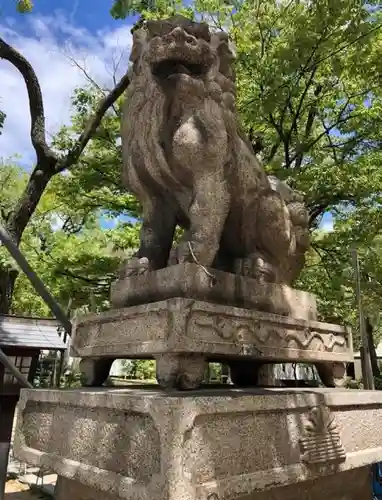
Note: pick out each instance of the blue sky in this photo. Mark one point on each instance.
(91, 14)
(54, 39)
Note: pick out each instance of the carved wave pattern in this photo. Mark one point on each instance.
(261, 333)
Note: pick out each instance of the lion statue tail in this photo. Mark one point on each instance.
(299, 217)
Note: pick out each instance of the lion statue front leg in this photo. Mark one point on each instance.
(203, 156)
(156, 236)
(207, 216)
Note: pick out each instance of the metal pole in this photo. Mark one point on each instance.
(7, 412)
(365, 351)
(35, 280)
(4, 454)
(40, 288)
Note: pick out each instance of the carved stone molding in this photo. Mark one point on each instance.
(321, 443)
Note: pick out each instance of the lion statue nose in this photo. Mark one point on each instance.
(180, 36)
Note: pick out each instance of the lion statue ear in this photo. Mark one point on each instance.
(138, 49)
(139, 42)
(226, 52)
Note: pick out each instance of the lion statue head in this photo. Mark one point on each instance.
(182, 51)
(173, 61)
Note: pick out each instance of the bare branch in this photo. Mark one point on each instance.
(88, 77)
(83, 70)
(116, 64)
(92, 125)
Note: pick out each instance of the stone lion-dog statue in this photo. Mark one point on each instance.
(188, 162)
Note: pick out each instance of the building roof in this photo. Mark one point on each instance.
(27, 332)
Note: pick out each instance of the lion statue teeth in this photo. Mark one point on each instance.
(188, 162)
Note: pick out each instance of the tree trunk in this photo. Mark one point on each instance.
(18, 221)
(48, 162)
(26, 206)
(7, 284)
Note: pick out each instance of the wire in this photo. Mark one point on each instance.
(210, 275)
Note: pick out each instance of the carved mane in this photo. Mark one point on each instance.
(145, 105)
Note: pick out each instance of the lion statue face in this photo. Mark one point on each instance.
(179, 50)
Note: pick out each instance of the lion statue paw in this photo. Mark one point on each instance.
(134, 266)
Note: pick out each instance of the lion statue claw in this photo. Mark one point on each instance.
(189, 164)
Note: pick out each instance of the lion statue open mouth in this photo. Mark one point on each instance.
(188, 162)
(175, 51)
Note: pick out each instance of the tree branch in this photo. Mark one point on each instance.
(48, 162)
(273, 151)
(316, 249)
(36, 105)
(92, 125)
(320, 206)
(89, 78)
(329, 139)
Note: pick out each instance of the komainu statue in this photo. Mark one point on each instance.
(190, 165)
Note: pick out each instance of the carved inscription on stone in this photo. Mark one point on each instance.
(321, 443)
(122, 328)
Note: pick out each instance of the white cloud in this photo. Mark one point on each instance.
(46, 43)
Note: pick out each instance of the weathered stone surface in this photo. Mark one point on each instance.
(193, 282)
(350, 485)
(222, 444)
(186, 159)
(189, 326)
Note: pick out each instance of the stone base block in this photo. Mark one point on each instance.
(182, 334)
(349, 485)
(192, 282)
(218, 445)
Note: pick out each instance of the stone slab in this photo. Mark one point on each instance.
(217, 444)
(350, 485)
(191, 281)
(219, 332)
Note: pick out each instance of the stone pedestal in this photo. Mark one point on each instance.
(182, 334)
(220, 444)
(210, 285)
(350, 485)
(184, 316)
(205, 444)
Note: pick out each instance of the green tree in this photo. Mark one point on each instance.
(309, 97)
(24, 6)
(75, 256)
(48, 162)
